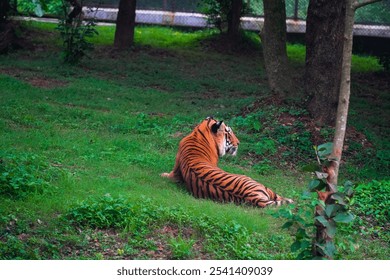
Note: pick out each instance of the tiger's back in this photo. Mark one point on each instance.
(196, 165)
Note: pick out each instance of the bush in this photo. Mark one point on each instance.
(100, 213)
(74, 33)
(24, 174)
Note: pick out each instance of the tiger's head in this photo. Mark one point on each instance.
(223, 135)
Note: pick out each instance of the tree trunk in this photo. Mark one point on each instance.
(324, 47)
(125, 23)
(332, 169)
(273, 38)
(234, 19)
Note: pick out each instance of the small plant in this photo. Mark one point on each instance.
(181, 247)
(74, 33)
(100, 213)
(24, 174)
(330, 209)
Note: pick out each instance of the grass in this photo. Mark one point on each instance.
(84, 146)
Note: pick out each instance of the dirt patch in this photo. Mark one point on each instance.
(36, 79)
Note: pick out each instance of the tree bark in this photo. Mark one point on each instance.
(125, 24)
(324, 47)
(234, 19)
(273, 38)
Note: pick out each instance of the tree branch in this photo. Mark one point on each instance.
(357, 4)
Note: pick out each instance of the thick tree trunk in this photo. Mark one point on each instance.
(324, 47)
(125, 23)
(273, 38)
(234, 19)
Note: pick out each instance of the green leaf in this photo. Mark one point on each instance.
(324, 150)
(316, 185)
(344, 217)
(329, 249)
(295, 246)
(331, 229)
(322, 220)
(339, 197)
(287, 224)
(256, 125)
(331, 210)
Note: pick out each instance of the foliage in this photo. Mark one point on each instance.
(372, 204)
(181, 247)
(218, 12)
(328, 215)
(24, 174)
(40, 7)
(75, 34)
(103, 213)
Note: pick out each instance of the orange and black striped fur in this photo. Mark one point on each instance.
(196, 165)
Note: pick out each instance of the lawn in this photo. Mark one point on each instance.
(82, 147)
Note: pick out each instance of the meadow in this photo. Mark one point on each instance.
(82, 147)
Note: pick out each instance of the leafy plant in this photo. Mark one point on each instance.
(372, 204)
(218, 12)
(181, 247)
(74, 34)
(23, 174)
(328, 213)
(100, 213)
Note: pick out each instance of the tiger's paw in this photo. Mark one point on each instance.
(166, 175)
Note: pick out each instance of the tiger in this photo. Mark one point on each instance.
(196, 166)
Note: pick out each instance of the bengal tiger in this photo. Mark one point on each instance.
(196, 166)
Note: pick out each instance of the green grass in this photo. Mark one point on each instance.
(84, 144)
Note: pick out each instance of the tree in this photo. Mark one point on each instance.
(226, 15)
(332, 168)
(125, 24)
(8, 36)
(234, 19)
(324, 47)
(273, 38)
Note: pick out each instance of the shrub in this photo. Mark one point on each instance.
(100, 213)
(24, 174)
(74, 34)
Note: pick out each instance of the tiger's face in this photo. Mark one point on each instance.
(226, 141)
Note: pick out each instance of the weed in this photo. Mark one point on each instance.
(24, 174)
(102, 213)
(372, 204)
(181, 247)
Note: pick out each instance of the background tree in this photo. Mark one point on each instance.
(324, 47)
(8, 36)
(234, 18)
(226, 15)
(125, 24)
(273, 38)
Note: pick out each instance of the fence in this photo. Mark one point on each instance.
(372, 20)
(377, 13)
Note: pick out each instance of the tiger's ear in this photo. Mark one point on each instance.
(216, 126)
